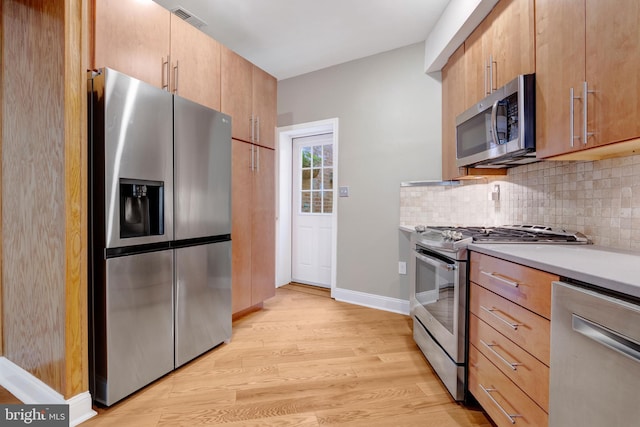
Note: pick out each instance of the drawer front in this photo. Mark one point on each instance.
(523, 327)
(526, 286)
(531, 375)
(499, 397)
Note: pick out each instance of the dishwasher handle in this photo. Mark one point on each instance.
(607, 337)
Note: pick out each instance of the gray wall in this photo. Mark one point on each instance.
(390, 131)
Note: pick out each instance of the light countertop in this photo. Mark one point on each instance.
(611, 269)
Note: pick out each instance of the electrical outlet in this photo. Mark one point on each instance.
(402, 267)
(343, 191)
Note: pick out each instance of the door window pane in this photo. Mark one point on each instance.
(316, 167)
(327, 179)
(327, 202)
(317, 156)
(305, 206)
(306, 157)
(306, 179)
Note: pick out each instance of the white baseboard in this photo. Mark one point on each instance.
(29, 389)
(394, 305)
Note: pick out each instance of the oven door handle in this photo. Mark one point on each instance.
(435, 262)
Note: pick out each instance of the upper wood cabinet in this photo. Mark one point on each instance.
(453, 78)
(195, 64)
(249, 97)
(499, 49)
(146, 41)
(586, 54)
(132, 37)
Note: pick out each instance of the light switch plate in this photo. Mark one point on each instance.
(402, 267)
(343, 191)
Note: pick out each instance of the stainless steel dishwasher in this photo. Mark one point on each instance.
(595, 358)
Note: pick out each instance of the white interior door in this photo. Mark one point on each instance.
(312, 211)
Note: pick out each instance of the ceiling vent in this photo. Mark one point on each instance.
(185, 15)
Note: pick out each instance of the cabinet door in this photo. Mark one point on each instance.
(236, 93)
(265, 88)
(612, 63)
(560, 66)
(132, 37)
(453, 90)
(513, 40)
(476, 54)
(263, 226)
(241, 205)
(195, 64)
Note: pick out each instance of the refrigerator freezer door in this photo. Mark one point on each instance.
(202, 151)
(203, 299)
(138, 339)
(134, 132)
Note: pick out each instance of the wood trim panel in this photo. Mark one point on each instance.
(534, 286)
(33, 189)
(75, 179)
(1, 162)
(533, 331)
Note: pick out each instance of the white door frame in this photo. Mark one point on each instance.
(284, 162)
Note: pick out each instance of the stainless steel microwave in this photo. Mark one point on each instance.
(499, 131)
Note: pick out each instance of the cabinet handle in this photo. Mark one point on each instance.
(501, 278)
(486, 74)
(257, 159)
(491, 311)
(488, 392)
(585, 92)
(175, 78)
(512, 365)
(165, 73)
(572, 99)
(257, 128)
(491, 62)
(252, 158)
(253, 133)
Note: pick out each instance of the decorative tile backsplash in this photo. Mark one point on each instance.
(600, 199)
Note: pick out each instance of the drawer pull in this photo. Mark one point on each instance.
(491, 311)
(512, 365)
(501, 279)
(488, 391)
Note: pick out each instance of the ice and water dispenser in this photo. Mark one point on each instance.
(141, 208)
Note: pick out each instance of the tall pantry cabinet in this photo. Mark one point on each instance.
(252, 225)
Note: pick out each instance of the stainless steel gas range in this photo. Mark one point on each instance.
(439, 289)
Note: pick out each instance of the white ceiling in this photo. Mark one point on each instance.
(291, 37)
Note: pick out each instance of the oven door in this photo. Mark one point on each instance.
(438, 298)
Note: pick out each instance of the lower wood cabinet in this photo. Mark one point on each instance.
(509, 337)
(253, 225)
(500, 397)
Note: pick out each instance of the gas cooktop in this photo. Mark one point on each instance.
(454, 238)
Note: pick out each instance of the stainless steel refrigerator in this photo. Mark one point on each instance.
(160, 259)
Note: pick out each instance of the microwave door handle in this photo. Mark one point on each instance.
(435, 263)
(494, 123)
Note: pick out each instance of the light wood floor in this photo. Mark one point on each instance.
(304, 360)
